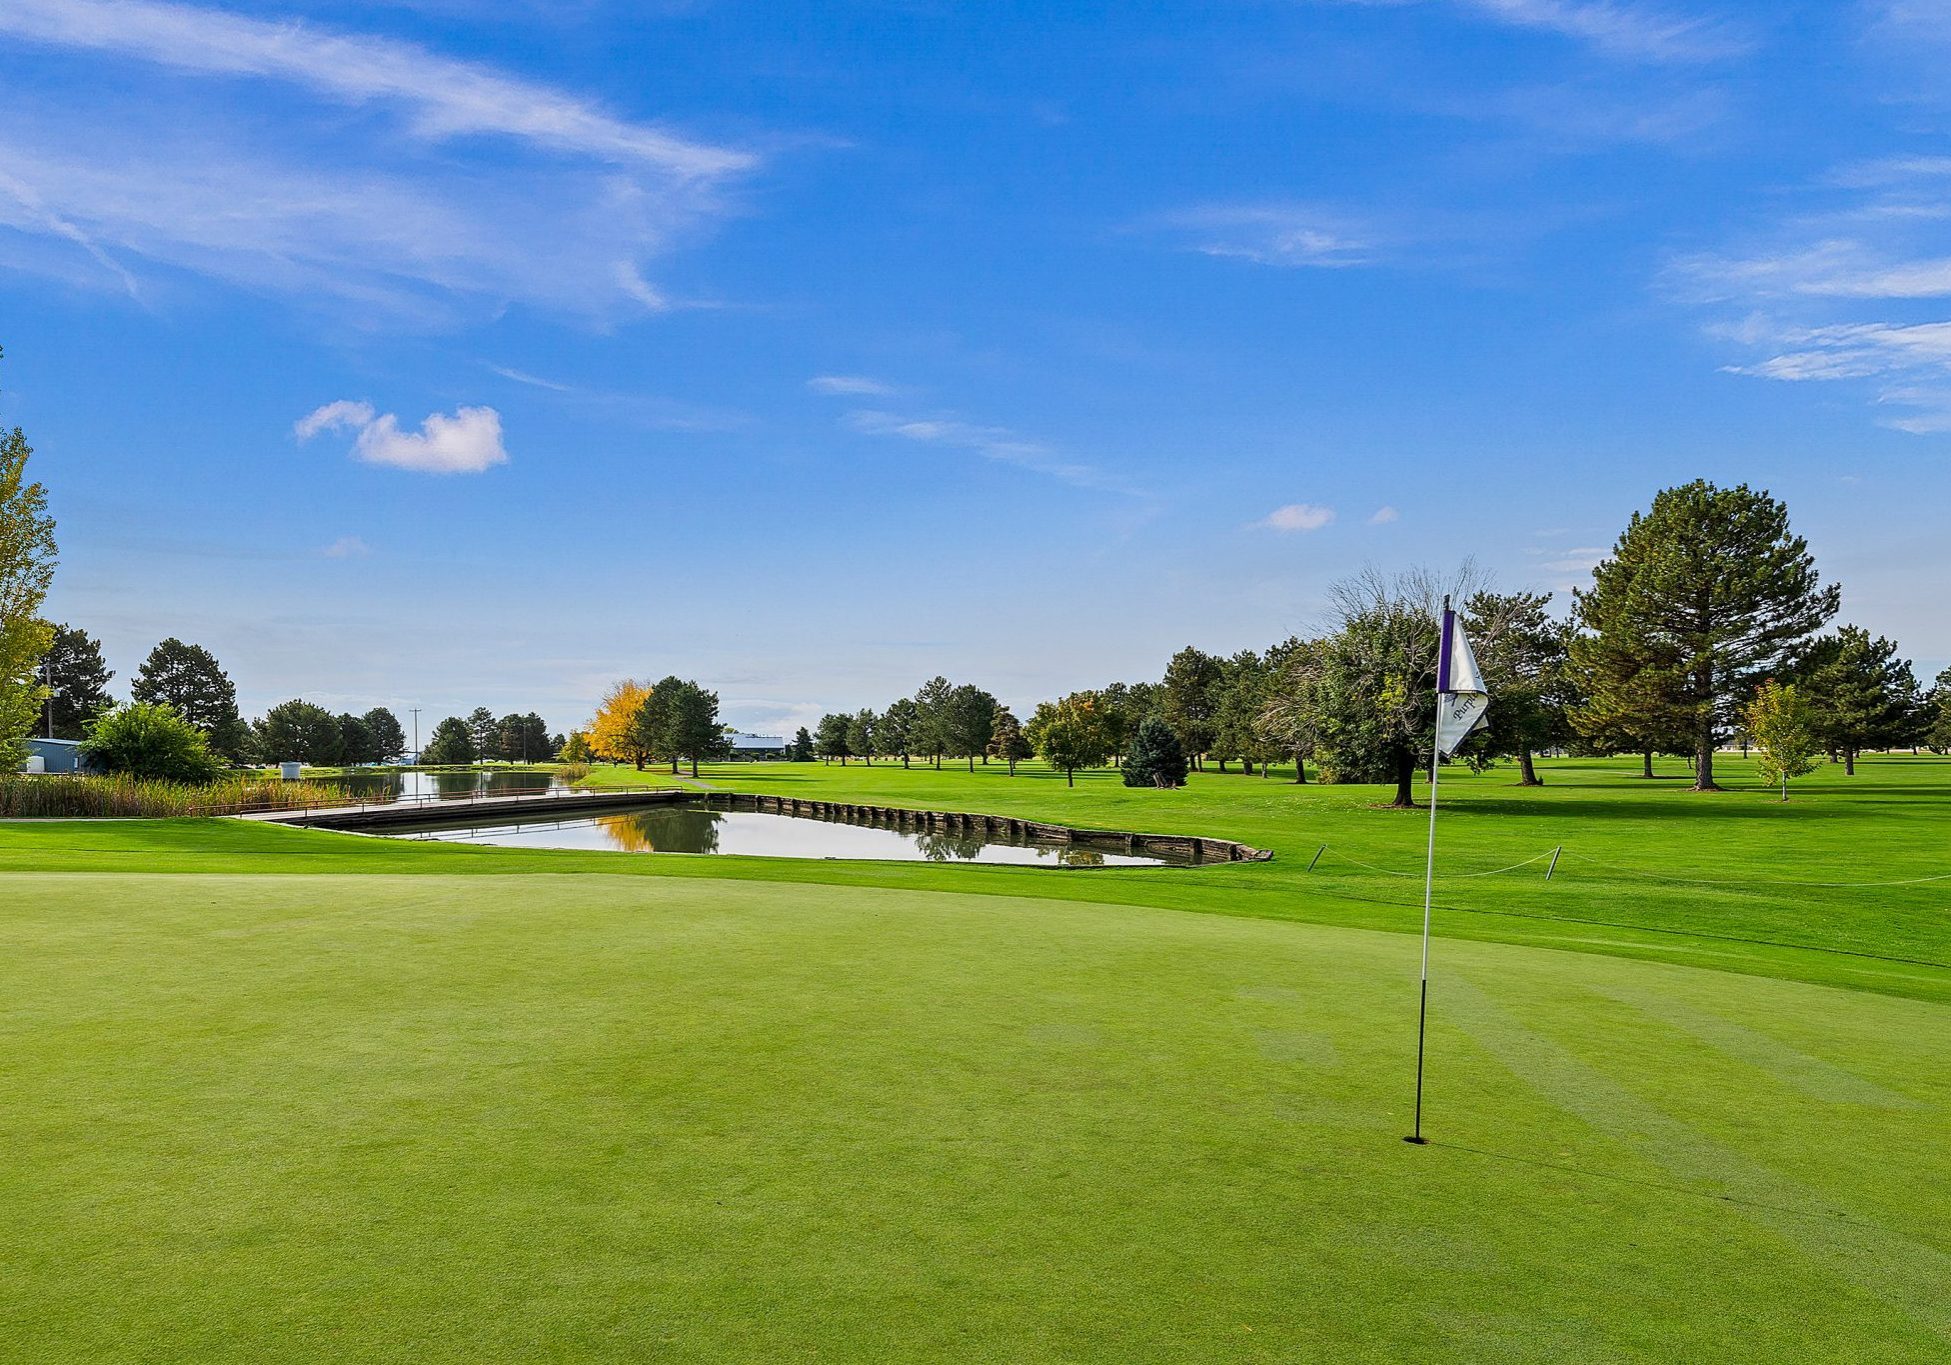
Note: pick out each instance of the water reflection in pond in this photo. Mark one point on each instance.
(377, 785)
(697, 829)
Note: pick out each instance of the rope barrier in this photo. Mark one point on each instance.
(1619, 870)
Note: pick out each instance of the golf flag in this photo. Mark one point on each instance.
(1461, 701)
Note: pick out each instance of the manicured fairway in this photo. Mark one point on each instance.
(268, 1095)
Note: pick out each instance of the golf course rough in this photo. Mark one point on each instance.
(278, 1096)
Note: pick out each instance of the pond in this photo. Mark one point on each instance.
(697, 828)
(377, 785)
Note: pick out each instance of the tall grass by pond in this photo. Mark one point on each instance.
(24, 794)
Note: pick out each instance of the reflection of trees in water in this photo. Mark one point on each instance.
(691, 830)
(950, 845)
(372, 786)
(1073, 856)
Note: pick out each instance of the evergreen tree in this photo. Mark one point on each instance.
(524, 739)
(73, 666)
(691, 727)
(188, 679)
(894, 735)
(1006, 740)
(296, 731)
(389, 740)
(801, 749)
(933, 731)
(860, 734)
(26, 571)
(1859, 694)
(450, 744)
(1937, 727)
(1155, 759)
(1189, 699)
(830, 740)
(484, 734)
(1711, 591)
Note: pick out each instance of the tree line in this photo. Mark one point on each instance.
(1707, 599)
(188, 681)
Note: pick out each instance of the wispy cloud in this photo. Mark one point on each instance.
(991, 443)
(459, 190)
(858, 385)
(1616, 28)
(444, 98)
(1639, 32)
(1297, 516)
(1834, 293)
(1383, 515)
(347, 547)
(468, 442)
(1296, 235)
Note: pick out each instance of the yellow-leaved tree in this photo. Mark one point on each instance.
(612, 733)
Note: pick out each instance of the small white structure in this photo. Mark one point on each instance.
(291, 772)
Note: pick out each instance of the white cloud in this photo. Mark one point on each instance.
(446, 98)
(466, 443)
(1295, 235)
(854, 384)
(347, 547)
(1383, 515)
(345, 413)
(1298, 516)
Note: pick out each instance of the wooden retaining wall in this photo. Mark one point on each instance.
(1194, 847)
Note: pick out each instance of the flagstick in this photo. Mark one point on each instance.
(1429, 884)
(1429, 858)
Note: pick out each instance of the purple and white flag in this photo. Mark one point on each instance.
(1461, 700)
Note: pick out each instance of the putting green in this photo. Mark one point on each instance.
(585, 1117)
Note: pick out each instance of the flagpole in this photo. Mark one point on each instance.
(1429, 877)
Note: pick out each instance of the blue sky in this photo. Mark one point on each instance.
(447, 354)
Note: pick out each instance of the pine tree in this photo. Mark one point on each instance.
(1189, 699)
(860, 734)
(1155, 758)
(74, 668)
(1703, 595)
(189, 680)
(1859, 694)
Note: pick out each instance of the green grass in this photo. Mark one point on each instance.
(275, 1095)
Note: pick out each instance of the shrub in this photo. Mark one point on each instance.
(150, 740)
(1155, 758)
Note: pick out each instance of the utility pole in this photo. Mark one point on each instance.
(47, 671)
(416, 732)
